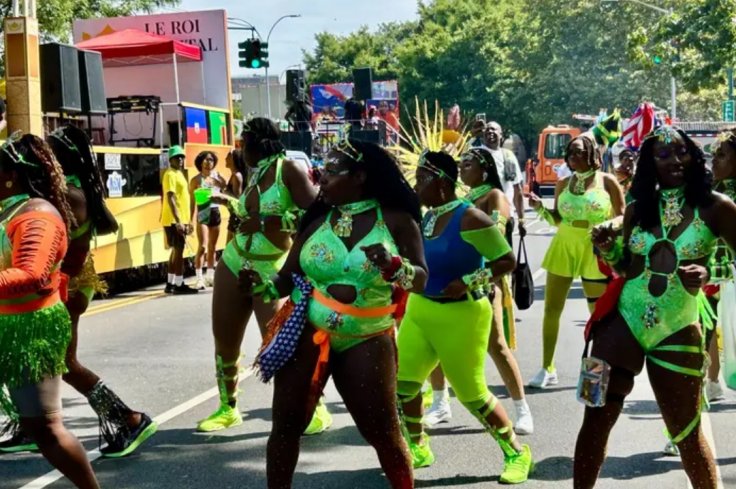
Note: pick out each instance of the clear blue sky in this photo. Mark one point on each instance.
(293, 35)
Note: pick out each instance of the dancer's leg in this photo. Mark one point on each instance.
(365, 376)
(293, 404)
(555, 295)
(593, 289)
(679, 397)
(614, 343)
(501, 354)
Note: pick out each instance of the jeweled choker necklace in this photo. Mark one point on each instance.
(433, 214)
(343, 228)
(673, 200)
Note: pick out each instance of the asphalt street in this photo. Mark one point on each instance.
(157, 354)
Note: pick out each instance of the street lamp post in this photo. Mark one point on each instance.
(268, 38)
(673, 82)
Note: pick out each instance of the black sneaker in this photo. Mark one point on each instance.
(169, 289)
(19, 442)
(123, 446)
(184, 289)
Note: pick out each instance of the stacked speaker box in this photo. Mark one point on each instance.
(362, 83)
(60, 87)
(92, 83)
(296, 86)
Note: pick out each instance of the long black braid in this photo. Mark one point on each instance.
(263, 136)
(384, 182)
(39, 173)
(73, 150)
(645, 186)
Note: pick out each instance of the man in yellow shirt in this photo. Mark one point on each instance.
(175, 217)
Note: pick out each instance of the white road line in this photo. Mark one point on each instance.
(55, 475)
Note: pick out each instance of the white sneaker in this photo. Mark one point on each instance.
(670, 449)
(714, 391)
(209, 281)
(439, 412)
(524, 424)
(544, 379)
(200, 284)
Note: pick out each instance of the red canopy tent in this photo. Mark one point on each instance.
(132, 47)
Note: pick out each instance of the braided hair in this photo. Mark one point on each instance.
(594, 157)
(645, 187)
(263, 136)
(488, 164)
(384, 182)
(73, 150)
(40, 175)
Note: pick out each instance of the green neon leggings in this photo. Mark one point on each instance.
(455, 335)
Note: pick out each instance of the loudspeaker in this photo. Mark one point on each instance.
(298, 141)
(92, 84)
(60, 78)
(366, 136)
(363, 83)
(295, 86)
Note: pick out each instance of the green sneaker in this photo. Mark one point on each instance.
(321, 420)
(516, 469)
(225, 417)
(421, 453)
(124, 446)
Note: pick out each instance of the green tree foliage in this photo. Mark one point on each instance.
(696, 41)
(526, 63)
(55, 16)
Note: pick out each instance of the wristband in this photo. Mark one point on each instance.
(392, 268)
(404, 275)
(479, 280)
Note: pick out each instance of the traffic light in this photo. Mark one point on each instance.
(253, 54)
(657, 59)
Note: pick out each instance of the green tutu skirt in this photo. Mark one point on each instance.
(33, 345)
(571, 254)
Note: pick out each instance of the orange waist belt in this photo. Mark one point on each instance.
(20, 307)
(321, 337)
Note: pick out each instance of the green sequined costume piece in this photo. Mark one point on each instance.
(33, 345)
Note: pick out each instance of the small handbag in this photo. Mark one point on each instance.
(593, 381)
(522, 280)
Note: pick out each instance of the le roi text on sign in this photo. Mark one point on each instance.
(182, 27)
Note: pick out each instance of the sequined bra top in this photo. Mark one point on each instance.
(275, 200)
(326, 261)
(594, 205)
(695, 242)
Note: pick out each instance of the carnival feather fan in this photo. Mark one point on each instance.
(427, 132)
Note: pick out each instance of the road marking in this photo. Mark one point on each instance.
(118, 303)
(53, 476)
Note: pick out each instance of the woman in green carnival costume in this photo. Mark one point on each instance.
(276, 189)
(669, 235)
(583, 200)
(721, 265)
(478, 171)
(449, 322)
(35, 327)
(357, 244)
(122, 428)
